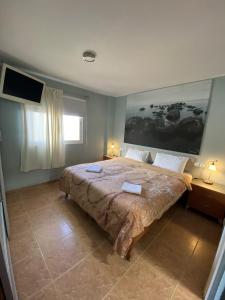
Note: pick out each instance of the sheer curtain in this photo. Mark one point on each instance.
(43, 145)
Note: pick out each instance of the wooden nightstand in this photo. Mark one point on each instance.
(106, 157)
(209, 199)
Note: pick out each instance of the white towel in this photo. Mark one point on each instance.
(94, 169)
(131, 188)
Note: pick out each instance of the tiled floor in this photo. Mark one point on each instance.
(58, 252)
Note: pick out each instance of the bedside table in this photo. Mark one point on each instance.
(209, 199)
(106, 157)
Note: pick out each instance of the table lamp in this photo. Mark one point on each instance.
(212, 167)
(112, 149)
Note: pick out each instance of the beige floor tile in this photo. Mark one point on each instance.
(211, 232)
(30, 192)
(62, 254)
(31, 275)
(51, 191)
(19, 225)
(83, 282)
(72, 208)
(204, 254)
(189, 219)
(64, 204)
(84, 226)
(22, 245)
(52, 232)
(115, 295)
(198, 268)
(48, 293)
(178, 250)
(165, 260)
(196, 273)
(75, 220)
(44, 216)
(13, 196)
(142, 282)
(91, 236)
(92, 230)
(110, 262)
(36, 202)
(152, 233)
(93, 277)
(194, 282)
(198, 224)
(183, 293)
(50, 186)
(15, 209)
(54, 194)
(181, 240)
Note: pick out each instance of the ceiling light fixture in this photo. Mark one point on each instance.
(89, 56)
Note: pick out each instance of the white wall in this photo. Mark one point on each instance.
(213, 145)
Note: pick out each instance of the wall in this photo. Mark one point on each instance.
(106, 121)
(213, 143)
(109, 124)
(98, 131)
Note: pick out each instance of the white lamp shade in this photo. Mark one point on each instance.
(212, 167)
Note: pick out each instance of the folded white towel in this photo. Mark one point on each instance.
(94, 169)
(131, 188)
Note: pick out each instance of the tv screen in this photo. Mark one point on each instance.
(19, 86)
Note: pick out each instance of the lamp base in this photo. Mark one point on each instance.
(208, 181)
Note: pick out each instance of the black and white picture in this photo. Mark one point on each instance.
(172, 118)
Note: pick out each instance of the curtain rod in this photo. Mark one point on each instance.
(73, 98)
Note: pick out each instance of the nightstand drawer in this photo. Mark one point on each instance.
(207, 204)
(200, 192)
(209, 199)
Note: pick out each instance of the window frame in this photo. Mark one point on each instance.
(81, 140)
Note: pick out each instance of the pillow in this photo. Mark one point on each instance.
(137, 155)
(170, 162)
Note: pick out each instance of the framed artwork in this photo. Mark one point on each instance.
(171, 118)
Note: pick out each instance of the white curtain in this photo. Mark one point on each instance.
(43, 145)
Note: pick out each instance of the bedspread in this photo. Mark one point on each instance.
(123, 215)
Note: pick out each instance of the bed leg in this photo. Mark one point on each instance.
(66, 196)
(128, 256)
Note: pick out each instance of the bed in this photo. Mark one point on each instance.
(122, 215)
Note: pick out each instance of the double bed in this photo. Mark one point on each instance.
(124, 216)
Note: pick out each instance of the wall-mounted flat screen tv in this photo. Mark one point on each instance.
(19, 86)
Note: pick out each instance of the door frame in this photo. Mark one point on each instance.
(217, 271)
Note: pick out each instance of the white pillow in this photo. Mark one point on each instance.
(170, 162)
(137, 155)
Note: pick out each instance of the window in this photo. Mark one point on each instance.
(73, 129)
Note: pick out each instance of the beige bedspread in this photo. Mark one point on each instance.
(124, 216)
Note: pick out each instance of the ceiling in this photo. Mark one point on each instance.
(140, 45)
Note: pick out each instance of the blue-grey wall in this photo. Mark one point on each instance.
(106, 121)
(99, 111)
(213, 143)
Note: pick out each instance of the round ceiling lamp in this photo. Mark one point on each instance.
(89, 56)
